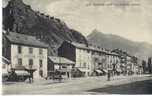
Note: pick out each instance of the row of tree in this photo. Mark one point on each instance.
(147, 66)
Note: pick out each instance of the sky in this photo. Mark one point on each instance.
(131, 19)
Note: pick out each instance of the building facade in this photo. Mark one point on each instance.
(60, 64)
(79, 53)
(128, 63)
(26, 52)
(88, 58)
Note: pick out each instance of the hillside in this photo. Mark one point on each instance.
(21, 18)
(141, 50)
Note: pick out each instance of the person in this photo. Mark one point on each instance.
(108, 75)
(13, 75)
(68, 74)
(30, 81)
(30, 76)
(60, 76)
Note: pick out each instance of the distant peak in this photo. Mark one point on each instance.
(95, 31)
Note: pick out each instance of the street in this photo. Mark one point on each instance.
(141, 87)
(137, 84)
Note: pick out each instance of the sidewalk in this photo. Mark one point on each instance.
(73, 86)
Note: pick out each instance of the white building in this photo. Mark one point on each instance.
(87, 58)
(26, 52)
(79, 53)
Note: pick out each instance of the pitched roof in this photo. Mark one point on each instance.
(83, 46)
(22, 39)
(60, 60)
(5, 60)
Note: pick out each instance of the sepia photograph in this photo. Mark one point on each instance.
(76, 47)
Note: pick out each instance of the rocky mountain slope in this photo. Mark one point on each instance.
(19, 17)
(109, 41)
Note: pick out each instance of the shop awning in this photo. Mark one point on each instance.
(83, 70)
(65, 70)
(98, 71)
(21, 72)
(104, 70)
(4, 72)
(119, 70)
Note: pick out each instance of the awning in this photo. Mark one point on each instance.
(5, 60)
(4, 72)
(65, 70)
(83, 70)
(119, 70)
(106, 71)
(98, 71)
(22, 72)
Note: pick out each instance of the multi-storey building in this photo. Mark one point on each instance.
(87, 58)
(79, 53)
(25, 52)
(128, 62)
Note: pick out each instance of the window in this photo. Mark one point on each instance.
(64, 66)
(40, 63)
(20, 61)
(19, 49)
(30, 62)
(4, 66)
(41, 73)
(93, 53)
(40, 51)
(84, 64)
(100, 54)
(30, 50)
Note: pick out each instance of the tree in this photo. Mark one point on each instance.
(149, 65)
(144, 65)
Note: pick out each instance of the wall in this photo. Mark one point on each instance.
(68, 51)
(6, 51)
(83, 59)
(26, 56)
(100, 61)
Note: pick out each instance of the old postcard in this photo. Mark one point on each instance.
(76, 47)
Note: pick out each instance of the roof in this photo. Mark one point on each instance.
(83, 46)
(114, 54)
(5, 60)
(22, 39)
(60, 60)
(121, 52)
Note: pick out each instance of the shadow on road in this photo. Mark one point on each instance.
(142, 87)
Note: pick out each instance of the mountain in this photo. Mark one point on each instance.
(21, 18)
(109, 41)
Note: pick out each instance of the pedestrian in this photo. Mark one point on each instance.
(68, 74)
(30, 76)
(60, 77)
(108, 76)
(30, 79)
